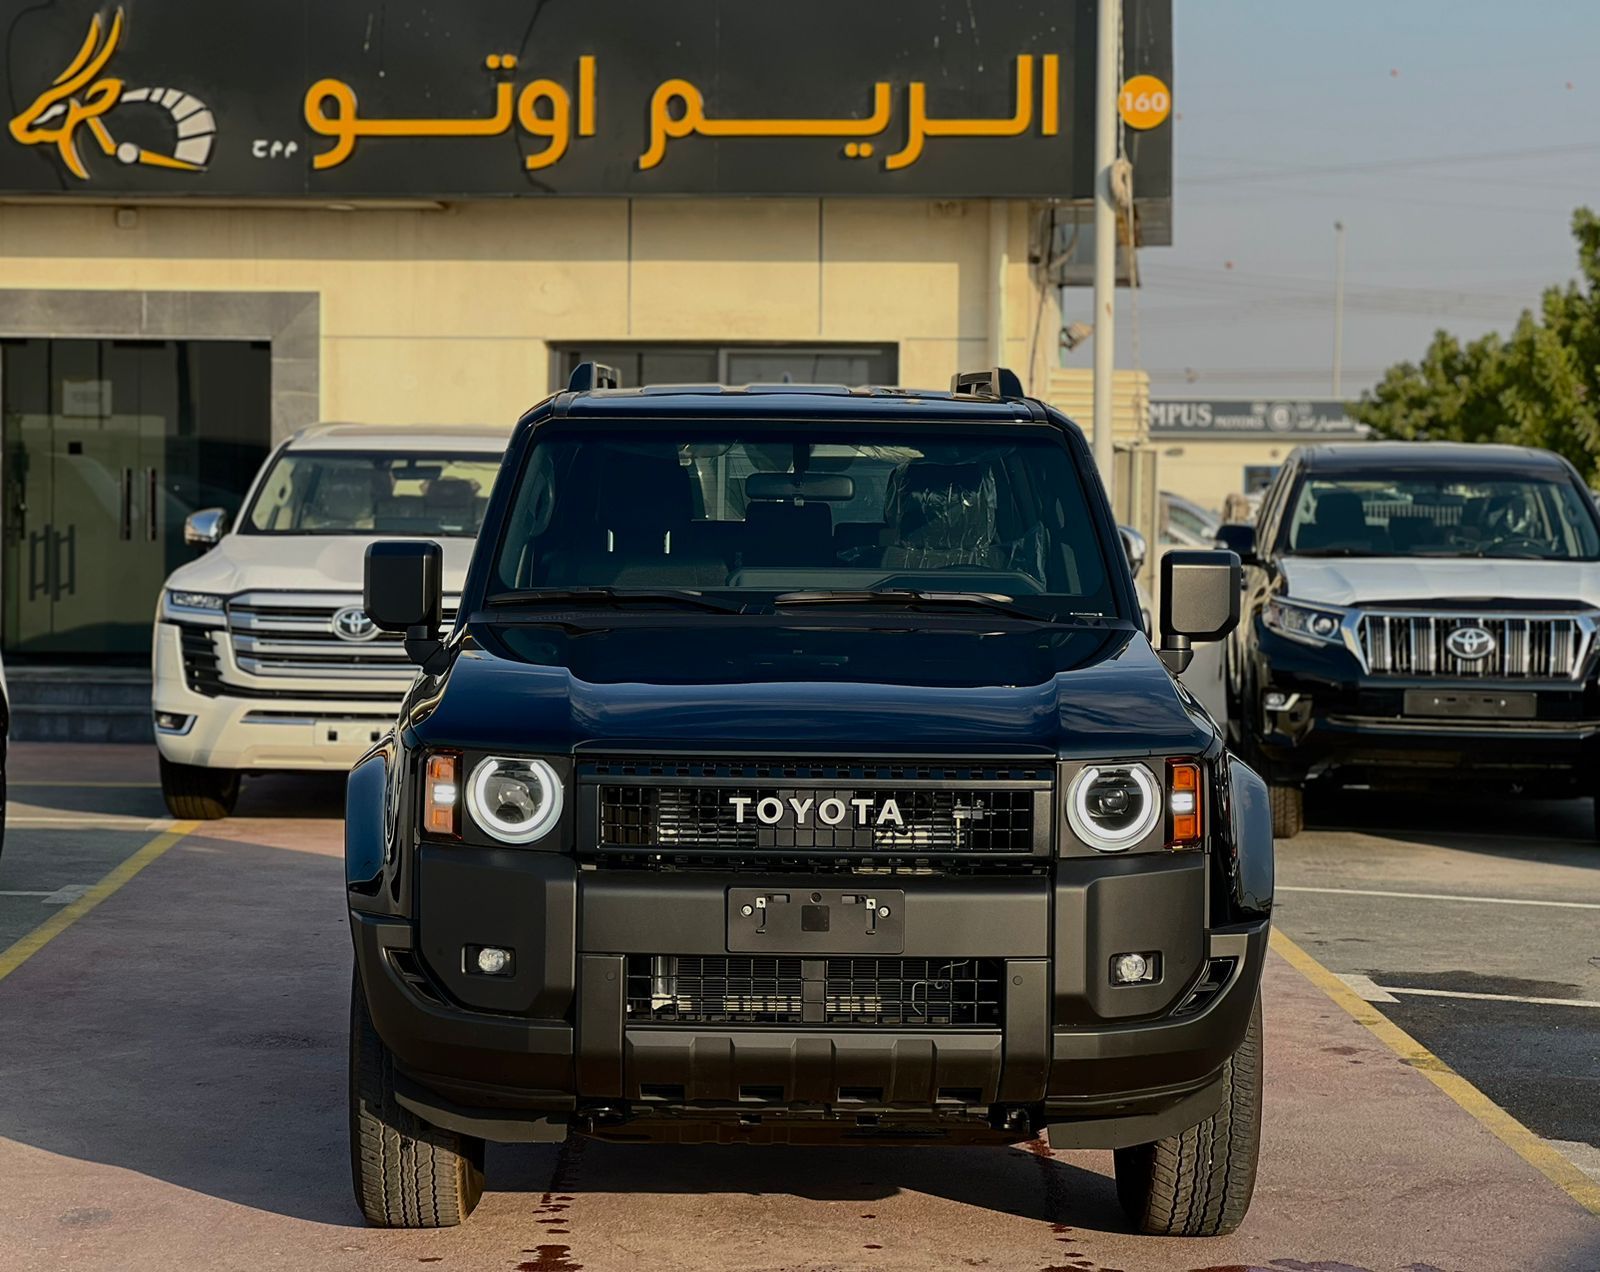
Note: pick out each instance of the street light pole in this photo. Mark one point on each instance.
(1105, 232)
(1338, 305)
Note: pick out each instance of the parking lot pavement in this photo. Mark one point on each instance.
(1475, 927)
(172, 1092)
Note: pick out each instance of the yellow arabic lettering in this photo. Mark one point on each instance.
(72, 99)
(345, 127)
(665, 126)
(586, 96)
(557, 127)
(921, 127)
(1050, 96)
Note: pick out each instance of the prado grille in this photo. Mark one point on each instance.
(1520, 646)
(684, 989)
(804, 807)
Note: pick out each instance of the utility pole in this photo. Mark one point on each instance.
(1105, 232)
(1338, 304)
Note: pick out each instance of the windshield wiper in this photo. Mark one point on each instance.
(907, 598)
(612, 597)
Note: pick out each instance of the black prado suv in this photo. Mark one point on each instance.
(797, 771)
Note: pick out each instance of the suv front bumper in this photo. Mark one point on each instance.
(562, 1039)
(279, 731)
(1390, 731)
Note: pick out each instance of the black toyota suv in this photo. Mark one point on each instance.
(1417, 614)
(797, 771)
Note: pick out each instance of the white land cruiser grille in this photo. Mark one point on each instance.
(1519, 646)
(280, 637)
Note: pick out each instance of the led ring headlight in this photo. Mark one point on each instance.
(515, 800)
(1113, 807)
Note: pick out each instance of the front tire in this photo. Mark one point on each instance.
(407, 1173)
(198, 794)
(1198, 1183)
(1288, 811)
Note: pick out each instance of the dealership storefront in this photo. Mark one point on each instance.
(219, 226)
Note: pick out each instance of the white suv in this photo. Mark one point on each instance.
(263, 658)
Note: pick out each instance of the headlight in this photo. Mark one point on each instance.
(1111, 807)
(1305, 623)
(204, 607)
(515, 800)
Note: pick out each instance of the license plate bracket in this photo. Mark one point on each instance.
(1471, 704)
(816, 920)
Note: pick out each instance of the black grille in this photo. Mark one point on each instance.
(200, 667)
(737, 989)
(795, 807)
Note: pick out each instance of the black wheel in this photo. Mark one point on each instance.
(1198, 1183)
(198, 794)
(407, 1173)
(1288, 811)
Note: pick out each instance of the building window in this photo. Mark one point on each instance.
(736, 364)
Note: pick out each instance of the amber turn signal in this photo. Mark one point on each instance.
(1185, 827)
(441, 795)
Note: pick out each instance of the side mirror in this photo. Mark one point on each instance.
(205, 528)
(1238, 537)
(1134, 548)
(404, 592)
(1199, 601)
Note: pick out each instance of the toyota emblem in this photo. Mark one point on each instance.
(1471, 644)
(352, 623)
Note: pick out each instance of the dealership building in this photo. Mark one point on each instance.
(219, 225)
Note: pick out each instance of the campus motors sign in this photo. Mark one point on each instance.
(420, 99)
(1213, 417)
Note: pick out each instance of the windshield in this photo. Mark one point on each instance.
(805, 507)
(1441, 515)
(380, 492)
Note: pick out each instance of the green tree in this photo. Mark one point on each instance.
(1539, 386)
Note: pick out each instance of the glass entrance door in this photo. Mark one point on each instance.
(107, 446)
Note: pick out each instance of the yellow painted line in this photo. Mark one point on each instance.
(1517, 1137)
(26, 947)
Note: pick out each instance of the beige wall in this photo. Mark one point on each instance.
(446, 315)
(1208, 470)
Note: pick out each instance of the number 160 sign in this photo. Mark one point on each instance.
(1144, 102)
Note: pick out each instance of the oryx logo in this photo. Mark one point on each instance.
(352, 623)
(82, 96)
(865, 810)
(1472, 644)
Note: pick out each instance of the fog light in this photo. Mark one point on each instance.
(1275, 701)
(494, 961)
(173, 722)
(1133, 969)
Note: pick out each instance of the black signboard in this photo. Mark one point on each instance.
(1293, 418)
(463, 98)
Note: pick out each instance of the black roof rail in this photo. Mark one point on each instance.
(593, 375)
(996, 382)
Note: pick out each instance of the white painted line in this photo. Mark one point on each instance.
(64, 895)
(1586, 1157)
(1489, 998)
(1366, 989)
(1443, 896)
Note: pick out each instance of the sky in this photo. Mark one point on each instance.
(1453, 140)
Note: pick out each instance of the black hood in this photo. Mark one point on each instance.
(732, 684)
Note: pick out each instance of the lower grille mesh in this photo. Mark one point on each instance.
(769, 990)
